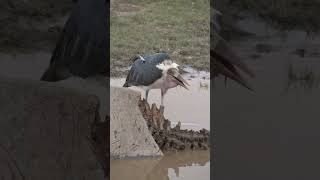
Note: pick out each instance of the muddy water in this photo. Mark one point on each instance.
(24, 65)
(186, 166)
(271, 133)
(175, 166)
(191, 108)
(178, 101)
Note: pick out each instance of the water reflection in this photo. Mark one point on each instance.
(269, 134)
(173, 166)
(178, 101)
(306, 78)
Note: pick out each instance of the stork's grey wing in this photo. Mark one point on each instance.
(142, 74)
(83, 48)
(157, 58)
(144, 71)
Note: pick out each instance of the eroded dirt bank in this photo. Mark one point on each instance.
(172, 139)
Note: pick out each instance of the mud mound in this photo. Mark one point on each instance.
(172, 139)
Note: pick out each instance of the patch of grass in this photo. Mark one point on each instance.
(179, 27)
(283, 14)
(31, 25)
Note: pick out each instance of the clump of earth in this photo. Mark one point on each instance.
(172, 139)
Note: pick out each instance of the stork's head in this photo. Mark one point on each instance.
(174, 78)
(171, 74)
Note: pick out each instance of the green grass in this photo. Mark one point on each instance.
(27, 25)
(283, 14)
(179, 27)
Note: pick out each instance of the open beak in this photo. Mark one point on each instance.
(181, 81)
(228, 62)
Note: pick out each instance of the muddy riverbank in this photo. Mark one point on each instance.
(177, 127)
(172, 139)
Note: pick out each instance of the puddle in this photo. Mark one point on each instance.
(191, 108)
(175, 166)
(27, 66)
(266, 130)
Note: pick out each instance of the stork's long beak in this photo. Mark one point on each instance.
(182, 82)
(228, 62)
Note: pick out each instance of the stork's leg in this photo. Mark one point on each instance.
(163, 92)
(147, 92)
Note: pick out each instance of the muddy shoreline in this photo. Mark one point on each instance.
(172, 139)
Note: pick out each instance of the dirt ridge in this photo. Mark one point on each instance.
(172, 139)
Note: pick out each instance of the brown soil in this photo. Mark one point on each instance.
(172, 139)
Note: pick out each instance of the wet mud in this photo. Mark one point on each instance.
(172, 139)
